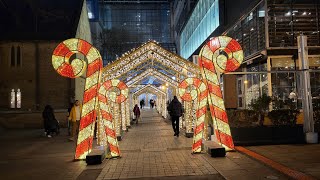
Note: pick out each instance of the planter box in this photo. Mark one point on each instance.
(268, 135)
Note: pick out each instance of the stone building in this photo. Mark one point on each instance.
(30, 30)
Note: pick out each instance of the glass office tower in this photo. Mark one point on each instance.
(128, 24)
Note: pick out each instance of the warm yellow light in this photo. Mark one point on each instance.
(246, 82)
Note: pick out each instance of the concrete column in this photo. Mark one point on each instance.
(308, 125)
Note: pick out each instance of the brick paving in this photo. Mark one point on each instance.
(27, 154)
(149, 151)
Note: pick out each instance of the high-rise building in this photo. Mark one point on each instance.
(267, 31)
(128, 24)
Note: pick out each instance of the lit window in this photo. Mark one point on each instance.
(13, 99)
(18, 98)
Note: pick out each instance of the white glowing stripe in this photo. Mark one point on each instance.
(206, 52)
(92, 55)
(104, 107)
(224, 40)
(92, 80)
(182, 91)
(102, 138)
(226, 147)
(84, 155)
(238, 55)
(57, 61)
(78, 67)
(223, 127)
(125, 92)
(217, 101)
(201, 119)
(88, 107)
(72, 44)
(194, 94)
(113, 141)
(198, 136)
(210, 76)
(109, 124)
(113, 154)
(202, 87)
(115, 82)
(85, 133)
(123, 117)
(189, 81)
(102, 90)
(203, 103)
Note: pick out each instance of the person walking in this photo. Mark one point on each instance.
(151, 103)
(141, 104)
(175, 111)
(74, 117)
(136, 112)
(49, 121)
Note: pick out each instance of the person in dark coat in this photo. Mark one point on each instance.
(49, 121)
(141, 104)
(175, 111)
(136, 112)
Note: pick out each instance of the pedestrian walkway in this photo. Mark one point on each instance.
(149, 150)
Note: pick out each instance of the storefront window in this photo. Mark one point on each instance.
(283, 83)
(314, 64)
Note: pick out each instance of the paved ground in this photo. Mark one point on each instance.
(303, 158)
(149, 151)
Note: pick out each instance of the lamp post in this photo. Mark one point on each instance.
(308, 125)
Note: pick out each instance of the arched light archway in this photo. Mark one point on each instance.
(161, 101)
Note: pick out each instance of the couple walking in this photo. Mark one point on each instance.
(175, 110)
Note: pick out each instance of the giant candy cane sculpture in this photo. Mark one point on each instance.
(61, 63)
(201, 93)
(105, 113)
(117, 98)
(222, 54)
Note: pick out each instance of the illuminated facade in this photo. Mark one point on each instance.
(267, 31)
(269, 41)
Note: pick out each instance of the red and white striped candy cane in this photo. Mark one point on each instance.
(123, 91)
(61, 63)
(222, 54)
(106, 121)
(200, 92)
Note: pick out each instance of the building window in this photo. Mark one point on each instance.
(202, 22)
(13, 61)
(12, 99)
(18, 56)
(15, 58)
(15, 99)
(18, 98)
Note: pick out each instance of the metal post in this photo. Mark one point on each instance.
(308, 125)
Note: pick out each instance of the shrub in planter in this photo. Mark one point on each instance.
(242, 118)
(316, 116)
(260, 106)
(283, 117)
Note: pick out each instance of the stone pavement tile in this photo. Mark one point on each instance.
(149, 151)
(303, 157)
